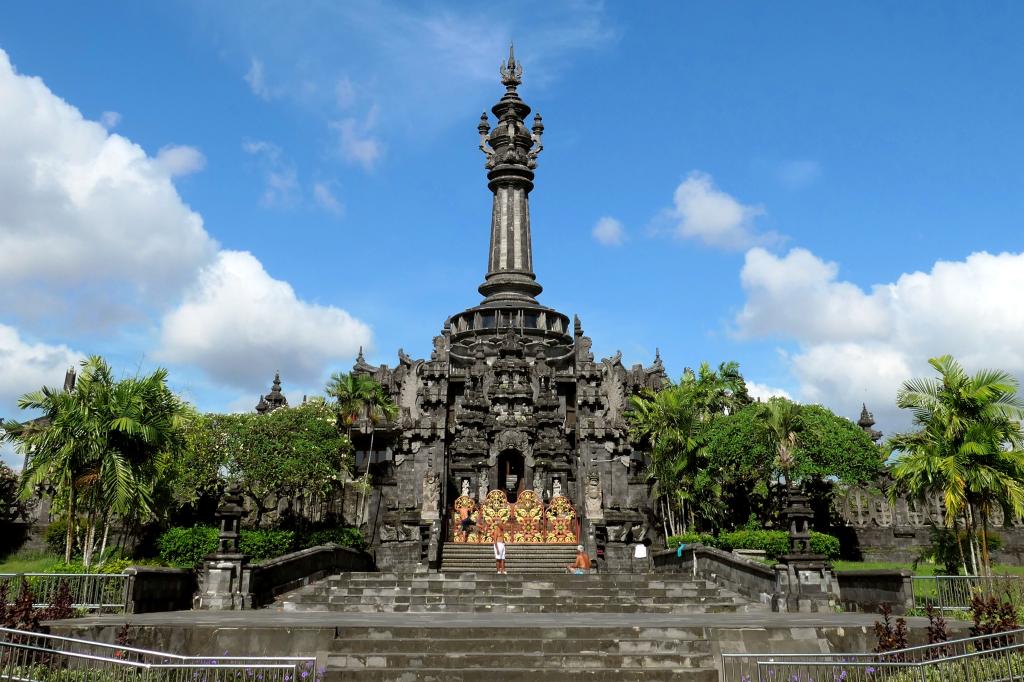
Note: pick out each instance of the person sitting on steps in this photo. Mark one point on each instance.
(582, 564)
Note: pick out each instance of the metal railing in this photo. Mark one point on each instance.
(29, 656)
(988, 658)
(954, 592)
(89, 591)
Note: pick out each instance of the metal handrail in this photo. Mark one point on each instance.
(743, 666)
(90, 591)
(26, 656)
(954, 592)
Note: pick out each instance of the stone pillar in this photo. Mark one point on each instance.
(804, 581)
(226, 573)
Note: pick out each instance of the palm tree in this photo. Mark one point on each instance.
(103, 446)
(967, 447)
(358, 397)
(670, 424)
(781, 427)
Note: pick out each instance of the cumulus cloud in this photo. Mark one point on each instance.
(254, 77)
(702, 211)
(110, 119)
(764, 392)
(609, 231)
(324, 197)
(356, 141)
(180, 159)
(238, 322)
(858, 345)
(82, 209)
(27, 366)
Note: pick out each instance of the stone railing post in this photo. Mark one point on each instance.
(227, 577)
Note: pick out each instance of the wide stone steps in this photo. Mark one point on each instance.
(520, 653)
(526, 558)
(489, 593)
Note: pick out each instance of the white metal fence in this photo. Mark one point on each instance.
(89, 591)
(33, 657)
(989, 658)
(954, 592)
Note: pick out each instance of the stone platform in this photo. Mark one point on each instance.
(488, 627)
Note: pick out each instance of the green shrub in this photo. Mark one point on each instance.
(823, 543)
(56, 536)
(343, 536)
(774, 543)
(691, 539)
(265, 544)
(186, 547)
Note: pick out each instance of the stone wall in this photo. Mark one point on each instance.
(867, 590)
(155, 588)
(294, 570)
(752, 579)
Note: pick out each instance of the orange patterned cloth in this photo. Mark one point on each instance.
(527, 521)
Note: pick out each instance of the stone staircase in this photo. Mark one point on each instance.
(466, 558)
(484, 627)
(491, 593)
(514, 654)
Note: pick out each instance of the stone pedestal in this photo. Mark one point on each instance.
(805, 584)
(225, 585)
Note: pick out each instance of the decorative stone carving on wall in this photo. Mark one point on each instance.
(863, 508)
(511, 439)
(399, 532)
(431, 496)
(594, 497)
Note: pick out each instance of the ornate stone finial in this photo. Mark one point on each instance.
(511, 71)
(577, 326)
(359, 357)
(866, 421)
(273, 400)
(69, 380)
(657, 358)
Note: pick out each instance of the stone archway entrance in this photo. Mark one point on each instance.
(511, 473)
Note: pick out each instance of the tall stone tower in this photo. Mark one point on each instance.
(511, 397)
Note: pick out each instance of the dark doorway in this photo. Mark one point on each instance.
(511, 470)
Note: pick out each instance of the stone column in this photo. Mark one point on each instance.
(226, 574)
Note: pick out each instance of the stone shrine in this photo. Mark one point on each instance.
(511, 409)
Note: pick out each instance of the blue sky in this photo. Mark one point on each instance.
(829, 194)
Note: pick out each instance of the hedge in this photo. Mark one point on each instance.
(187, 547)
(774, 543)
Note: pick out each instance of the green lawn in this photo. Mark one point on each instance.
(28, 562)
(922, 569)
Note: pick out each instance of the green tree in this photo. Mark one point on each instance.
(270, 455)
(360, 400)
(967, 446)
(745, 460)
(103, 447)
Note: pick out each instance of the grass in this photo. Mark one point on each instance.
(922, 569)
(28, 562)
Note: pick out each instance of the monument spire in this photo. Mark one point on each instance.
(511, 149)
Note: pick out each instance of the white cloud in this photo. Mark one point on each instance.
(609, 231)
(799, 174)
(325, 198)
(704, 212)
(782, 291)
(356, 142)
(238, 323)
(27, 366)
(764, 392)
(281, 180)
(858, 345)
(83, 210)
(254, 77)
(180, 159)
(110, 119)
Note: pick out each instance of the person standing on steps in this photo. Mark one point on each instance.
(499, 548)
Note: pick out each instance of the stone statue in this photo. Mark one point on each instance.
(594, 498)
(465, 487)
(482, 489)
(431, 495)
(556, 487)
